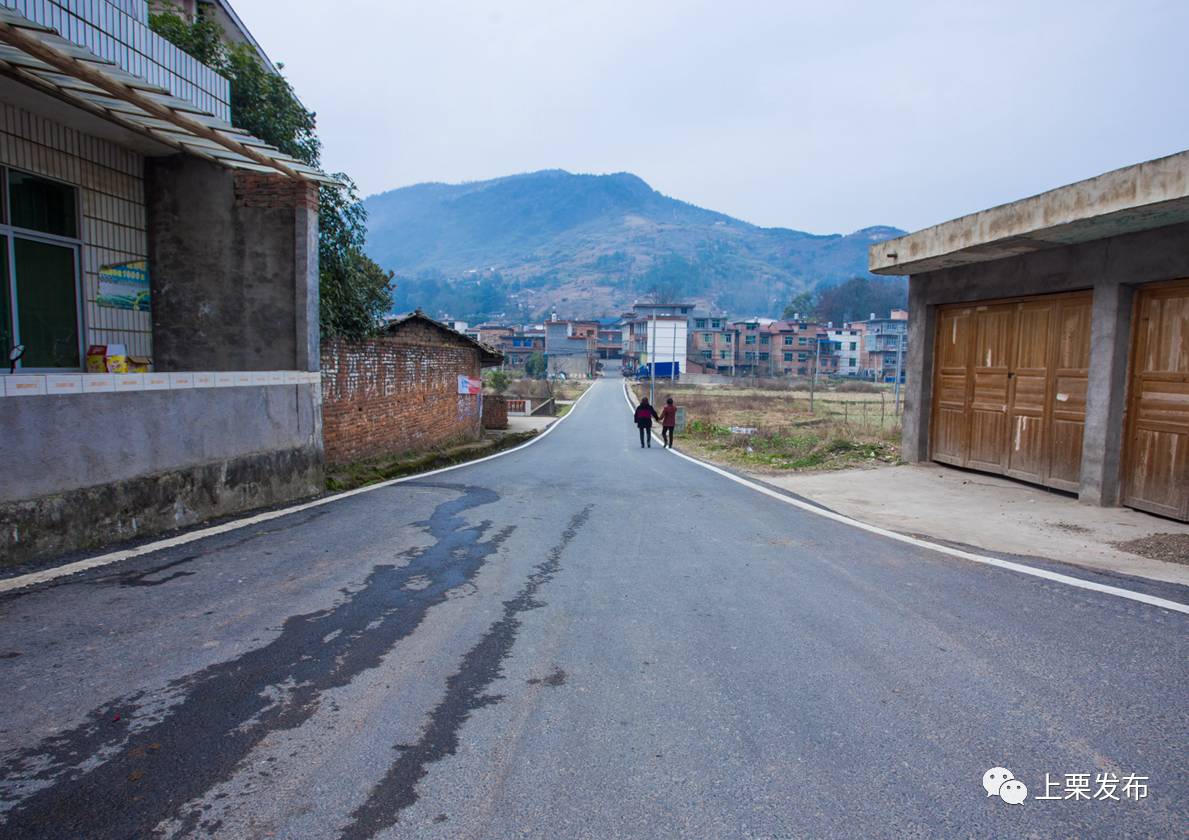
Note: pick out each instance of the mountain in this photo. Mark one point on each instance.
(525, 245)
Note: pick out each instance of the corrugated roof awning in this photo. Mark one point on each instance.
(40, 57)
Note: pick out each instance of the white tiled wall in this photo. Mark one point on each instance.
(119, 32)
(111, 182)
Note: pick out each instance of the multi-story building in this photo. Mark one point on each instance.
(610, 339)
(655, 332)
(885, 344)
(137, 222)
(490, 334)
(753, 346)
(847, 347)
(571, 347)
(659, 339)
(713, 348)
(517, 346)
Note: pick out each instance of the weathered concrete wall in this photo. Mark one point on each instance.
(1112, 267)
(383, 395)
(1136, 198)
(233, 266)
(81, 471)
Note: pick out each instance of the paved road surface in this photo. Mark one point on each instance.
(578, 640)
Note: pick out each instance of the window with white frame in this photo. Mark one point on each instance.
(39, 271)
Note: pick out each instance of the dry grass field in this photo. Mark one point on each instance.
(774, 430)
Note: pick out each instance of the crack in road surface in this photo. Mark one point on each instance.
(125, 769)
(466, 691)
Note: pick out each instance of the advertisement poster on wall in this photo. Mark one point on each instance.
(470, 385)
(124, 286)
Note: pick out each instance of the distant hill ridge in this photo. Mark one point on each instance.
(524, 245)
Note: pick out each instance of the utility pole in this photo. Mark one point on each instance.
(652, 361)
(817, 360)
(899, 366)
(673, 370)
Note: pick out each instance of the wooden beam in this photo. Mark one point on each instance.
(33, 80)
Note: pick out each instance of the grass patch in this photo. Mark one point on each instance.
(360, 473)
(783, 434)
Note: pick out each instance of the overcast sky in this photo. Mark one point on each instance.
(827, 116)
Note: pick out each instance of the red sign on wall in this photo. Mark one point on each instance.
(469, 385)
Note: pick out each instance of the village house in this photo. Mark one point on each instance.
(415, 387)
(655, 333)
(610, 339)
(847, 346)
(885, 342)
(490, 334)
(159, 296)
(571, 348)
(1050, 338)
(518, 346)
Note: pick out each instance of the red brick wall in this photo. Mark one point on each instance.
(256, 189)
(382, 396)
(495, 412)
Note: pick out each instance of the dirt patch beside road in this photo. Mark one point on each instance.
(1171, 548)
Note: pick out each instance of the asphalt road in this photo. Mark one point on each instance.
(581, 639)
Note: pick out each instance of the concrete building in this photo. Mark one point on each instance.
(847, 345)
(660, 339)
(571, 348)
(885, 343)
(1050, 338)
(753, 346)
(490, 334)
(519, 345)
(135, 221)
(713, 348)
(610, 339)
(799, 347)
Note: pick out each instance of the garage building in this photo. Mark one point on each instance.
(1050, 338)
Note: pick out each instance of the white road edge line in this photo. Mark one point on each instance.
(34, 578)
(1056, 577)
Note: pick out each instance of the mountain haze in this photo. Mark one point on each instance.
(525, 245)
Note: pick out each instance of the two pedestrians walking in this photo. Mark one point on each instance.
(644, 416)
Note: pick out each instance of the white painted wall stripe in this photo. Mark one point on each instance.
(34, 578)
(1045, 574)
(42, 384)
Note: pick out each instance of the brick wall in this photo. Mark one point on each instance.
(257, 189)
(495, 412)
(382, 395)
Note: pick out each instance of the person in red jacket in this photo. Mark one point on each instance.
(668, 422)
(645, 414)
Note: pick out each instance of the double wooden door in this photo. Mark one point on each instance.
(1156, 461)
(1009, 391)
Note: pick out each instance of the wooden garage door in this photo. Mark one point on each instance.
(1156, 466)
(1009, 393)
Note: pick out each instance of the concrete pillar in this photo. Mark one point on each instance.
(1106, 396)
(918, 374)
(233, 264)
(305, 278)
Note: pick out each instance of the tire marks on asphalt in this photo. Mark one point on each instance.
(466, 692)
(142, 759)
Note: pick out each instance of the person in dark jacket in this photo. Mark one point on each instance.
(645, 414)
(668, 422)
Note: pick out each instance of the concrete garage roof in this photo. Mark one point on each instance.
(1136, 198)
